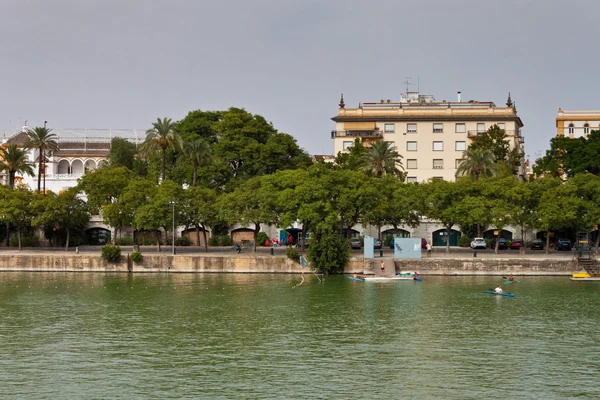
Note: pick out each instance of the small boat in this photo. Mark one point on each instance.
(388, 278)
(507, 282)
(356, 279)
(500, 294)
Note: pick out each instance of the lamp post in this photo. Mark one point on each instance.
(172, 203)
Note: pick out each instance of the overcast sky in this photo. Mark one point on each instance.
(123, 63)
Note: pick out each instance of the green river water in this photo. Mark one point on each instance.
(196, 336)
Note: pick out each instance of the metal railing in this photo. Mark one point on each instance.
(363, 133)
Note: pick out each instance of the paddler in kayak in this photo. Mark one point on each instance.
(511, 278)
(498, 290)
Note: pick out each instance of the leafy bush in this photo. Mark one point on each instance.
(183, 241)
(220, 240)
(136, 256)
(124, 241)
(26, 241)
(292, 254)
(111, 252)
(328, 252)
(464, 241)
(261, 238)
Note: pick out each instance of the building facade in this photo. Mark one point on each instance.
(577, 123)
(431, 136)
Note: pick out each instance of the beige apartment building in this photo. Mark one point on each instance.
(430, 135)
(577, 123)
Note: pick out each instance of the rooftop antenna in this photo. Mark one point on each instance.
(418, 85)
(407, 82)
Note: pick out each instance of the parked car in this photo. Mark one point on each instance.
(377, 244)
(564, 244)
(355, 244)
(516, 244)
(537, 244)
(478, 243)
(502, 244)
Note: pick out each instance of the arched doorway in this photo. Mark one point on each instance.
(97, 236)
(64, 167)
(242, 235)
(89, 165)
(440, 238)
(191, 233)
(491, 234)
(77, 167)
(389, 234)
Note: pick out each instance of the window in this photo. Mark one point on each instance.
(438, 164)
(411, 146)
(411, 164)
(438, 128)
(438, 146)
(586, 128)
(389, 128)
(501, 125)
(480, 127)
(460, 146)
(411, 128)
(457, 163)
(411, 179)
(571, 128)
(460, 128)
(392, 145)
(347, 145)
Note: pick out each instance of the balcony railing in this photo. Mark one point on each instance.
(473, 134)
(366, 133)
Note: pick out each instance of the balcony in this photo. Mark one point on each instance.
(474, 134)
(374, 133)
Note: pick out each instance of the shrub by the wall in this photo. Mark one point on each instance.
(111, 252)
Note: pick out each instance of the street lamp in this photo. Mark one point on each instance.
(172, 203)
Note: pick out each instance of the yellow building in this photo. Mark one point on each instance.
(430, 135)
(577, 123)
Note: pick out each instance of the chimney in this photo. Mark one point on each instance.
(458, 96)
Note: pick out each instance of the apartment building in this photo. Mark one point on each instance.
(577, 123)
(430, 135)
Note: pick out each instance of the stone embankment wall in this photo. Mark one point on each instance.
(278, 264)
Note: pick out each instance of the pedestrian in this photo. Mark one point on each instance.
(382, 267)
(428, 249)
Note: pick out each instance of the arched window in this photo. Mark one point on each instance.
(64, 167)
(89, 165)
(586, 129)
(571, 128)
(77, 167)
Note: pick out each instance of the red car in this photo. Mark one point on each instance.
(516, 244)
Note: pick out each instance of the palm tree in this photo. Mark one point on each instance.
(160, 137)
(197, 151)
(381, 158)
(476, 162)
(42, 140)
(13, 160)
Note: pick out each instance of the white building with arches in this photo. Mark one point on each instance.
(577, 123)
(80, 150)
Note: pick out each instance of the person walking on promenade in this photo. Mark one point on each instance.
(428, 249)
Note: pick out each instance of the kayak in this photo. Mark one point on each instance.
(507, 282)
(417, 279)
(500, 294)
(388, 278)
(356, 279)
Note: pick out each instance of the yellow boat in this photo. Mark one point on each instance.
(582, 274)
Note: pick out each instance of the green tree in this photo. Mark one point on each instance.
(64, 211)
(199, 208)
(328, 252)
(122, 153)
(42, 140)
(13, 160)
(199, 124)
(16, 209)
(354, 158)
(157, 213)
(502, 209)
(477, 162)
(103, 186)
(159, 138)
(443, 204)
(570, 156)
(197, 152)
(250, 203)
(588, 191)
(381, 158)
(121, 213)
